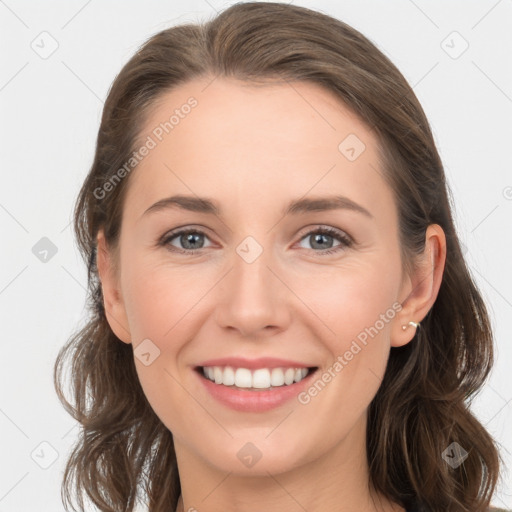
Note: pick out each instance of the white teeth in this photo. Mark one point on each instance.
(228, 377)
(289, 375)
(262, 378)
(277, 377)
(217, 373)
(242, 378)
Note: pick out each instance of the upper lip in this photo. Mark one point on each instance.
(262, 362)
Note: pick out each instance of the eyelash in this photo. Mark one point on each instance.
(346, 241)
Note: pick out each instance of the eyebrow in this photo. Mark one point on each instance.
(304, 205)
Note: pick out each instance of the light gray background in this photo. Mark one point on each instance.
(50, 112)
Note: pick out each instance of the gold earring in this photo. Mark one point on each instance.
(414, 324)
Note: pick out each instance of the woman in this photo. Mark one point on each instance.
(282, 315)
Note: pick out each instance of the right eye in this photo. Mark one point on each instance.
(191, 240)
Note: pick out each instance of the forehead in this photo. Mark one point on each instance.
(226, 137)
(228, 111)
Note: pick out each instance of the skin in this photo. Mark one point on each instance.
(241, 146)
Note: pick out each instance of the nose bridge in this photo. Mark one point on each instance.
(254, 298)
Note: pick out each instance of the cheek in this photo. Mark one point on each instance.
(352, 300)
(159, 298)
(159, 304)
(357, 306)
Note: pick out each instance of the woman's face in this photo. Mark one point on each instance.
(264, 280)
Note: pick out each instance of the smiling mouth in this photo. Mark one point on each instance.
(261, 379)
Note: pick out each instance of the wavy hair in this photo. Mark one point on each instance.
(124, 452)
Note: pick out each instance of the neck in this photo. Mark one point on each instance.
(335, 480)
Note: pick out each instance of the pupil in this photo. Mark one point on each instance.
(190, 238)
(318, 238)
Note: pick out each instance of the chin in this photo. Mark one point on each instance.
(255, 456)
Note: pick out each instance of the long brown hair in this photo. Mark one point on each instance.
(124, 451)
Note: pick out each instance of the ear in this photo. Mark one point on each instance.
(112, 297)
(419, 291)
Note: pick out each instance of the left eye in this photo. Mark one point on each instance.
(192, 240)
(319, 236)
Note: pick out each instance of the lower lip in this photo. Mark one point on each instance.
(254, 401)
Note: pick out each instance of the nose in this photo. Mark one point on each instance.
(253, 299)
